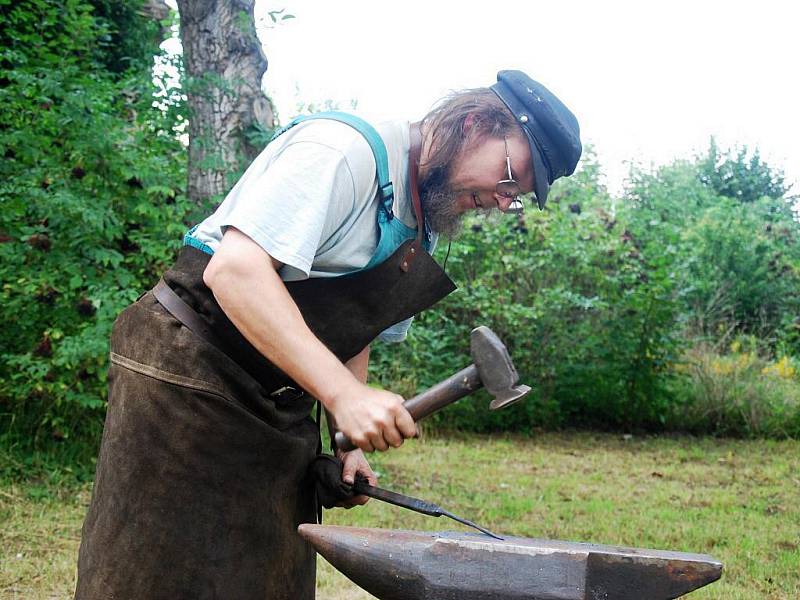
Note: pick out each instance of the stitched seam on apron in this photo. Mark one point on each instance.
(155, 373)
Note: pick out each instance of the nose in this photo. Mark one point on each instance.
(503, 202)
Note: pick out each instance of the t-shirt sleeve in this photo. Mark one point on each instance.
(284, 206)
(397, 332)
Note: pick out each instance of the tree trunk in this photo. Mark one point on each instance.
(159, 12)
(224, 65)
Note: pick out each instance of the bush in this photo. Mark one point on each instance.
(596, 300)
(587, 317)
(734, 249)
(741, 270)
(740, 175)
(92, 212)
(740, 393)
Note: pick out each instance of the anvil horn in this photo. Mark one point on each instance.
(397, 565)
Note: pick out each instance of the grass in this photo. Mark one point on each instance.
(736, 500)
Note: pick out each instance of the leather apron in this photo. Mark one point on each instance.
(202, 474)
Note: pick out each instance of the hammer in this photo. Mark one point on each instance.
(491, 368)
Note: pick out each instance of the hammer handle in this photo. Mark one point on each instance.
(443, 393)
(428, 402)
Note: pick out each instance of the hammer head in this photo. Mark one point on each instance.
(495, 368)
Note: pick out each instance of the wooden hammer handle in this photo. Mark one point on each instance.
(443, 393)
(428, 402)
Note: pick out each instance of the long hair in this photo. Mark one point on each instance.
(447, 123)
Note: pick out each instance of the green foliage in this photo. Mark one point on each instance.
(90, 187)
(735, 262)
(128, 37)
(587, 317)
(740, 175)
(739, 392)
(742, 270)
(598, 301)
(606, 304)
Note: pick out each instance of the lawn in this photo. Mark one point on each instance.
(736, 500)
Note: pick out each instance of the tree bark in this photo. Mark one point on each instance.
(224, 64)
(158, 11)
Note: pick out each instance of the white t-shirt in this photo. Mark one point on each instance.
(310, 201)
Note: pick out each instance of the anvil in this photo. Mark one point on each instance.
(420, 565)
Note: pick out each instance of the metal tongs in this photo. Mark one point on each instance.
(361, 486)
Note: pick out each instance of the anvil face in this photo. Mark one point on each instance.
(401, 565)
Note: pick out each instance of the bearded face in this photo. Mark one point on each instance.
(439, 204)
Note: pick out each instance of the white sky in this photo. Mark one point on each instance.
(648, 81)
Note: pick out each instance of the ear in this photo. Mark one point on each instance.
(469, 122)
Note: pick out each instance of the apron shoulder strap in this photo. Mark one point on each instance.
(385, 188)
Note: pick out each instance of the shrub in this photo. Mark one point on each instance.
(92, 210)
(596, 301)
(740, 393)
(588, 318)
(741, 270)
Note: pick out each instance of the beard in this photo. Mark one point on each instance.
(438, 204)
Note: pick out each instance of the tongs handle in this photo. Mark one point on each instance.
(362, 486)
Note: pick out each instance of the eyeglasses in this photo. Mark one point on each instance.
(509, 188)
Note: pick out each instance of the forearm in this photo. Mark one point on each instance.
(245, 282)
(252, 295)
(359, 364)
(354, 460)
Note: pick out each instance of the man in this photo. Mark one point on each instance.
(202, 474)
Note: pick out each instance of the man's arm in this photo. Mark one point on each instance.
(245, 283)
(355, 461)
(359, 365)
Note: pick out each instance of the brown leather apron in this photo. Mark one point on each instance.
(201, 478)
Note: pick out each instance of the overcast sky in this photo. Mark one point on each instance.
(648, 81)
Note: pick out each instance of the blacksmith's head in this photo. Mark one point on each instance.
(485, 147)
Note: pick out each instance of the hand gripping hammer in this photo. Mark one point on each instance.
(491, 368)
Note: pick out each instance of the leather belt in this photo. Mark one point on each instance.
(184, 313)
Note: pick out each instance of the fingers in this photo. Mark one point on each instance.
(364, 445)
(378, 442)
(354, 463)
(384, 433)
(363, 439)
(398, 426)
(359, 500)
(349, 471)
(376, 420)
(354, 501)
(405, 424)
(372, 479)
(393, 435)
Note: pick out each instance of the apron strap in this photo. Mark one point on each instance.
(373, 138)
(184, 313)
(414, 152)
